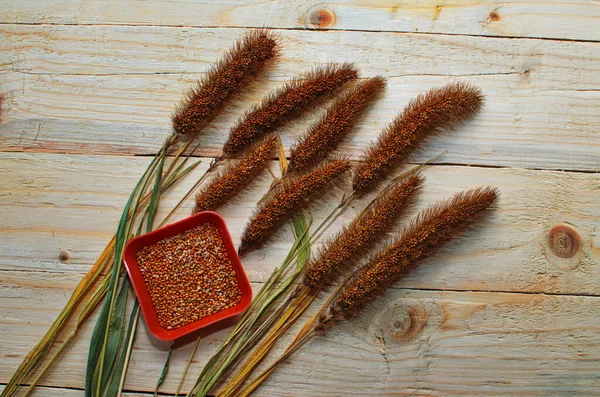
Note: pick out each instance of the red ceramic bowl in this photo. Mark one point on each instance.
(139, 286)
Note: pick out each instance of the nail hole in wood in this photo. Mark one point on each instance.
(494, 16)
(64, 256)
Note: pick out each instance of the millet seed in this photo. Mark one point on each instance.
(189, 276)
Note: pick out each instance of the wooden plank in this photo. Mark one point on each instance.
(412, 342)
(95, 115)
(57, 205)
(570, 19)
(541, 112)
(100, 50)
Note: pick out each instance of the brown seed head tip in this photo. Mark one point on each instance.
(485, 195)
(436, 109)
(290, 198)
(240, 64)
(325, 135)
(285, 104)
(466, 99)
(235, 177)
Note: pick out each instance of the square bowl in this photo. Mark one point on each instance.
(141, 290)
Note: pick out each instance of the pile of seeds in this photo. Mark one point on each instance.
(189, 276)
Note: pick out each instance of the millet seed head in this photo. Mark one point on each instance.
(324, 136)
(235, 177)
(286, 103)
(438, 108)
(243, 62)
(430, 231)
(291, 197)
(343, 251)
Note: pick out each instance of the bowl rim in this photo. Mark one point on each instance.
(141, 290)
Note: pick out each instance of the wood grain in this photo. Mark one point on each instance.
(507, 310)
(71, 204)
(567, 19)
(541, 109)
(417, 343)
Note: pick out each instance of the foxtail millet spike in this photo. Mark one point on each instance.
(284, 104)
(234, 178)
(438, 108)
(325, 135)
(293, 196)
(423, 237)
(345, 249)
(240, 64)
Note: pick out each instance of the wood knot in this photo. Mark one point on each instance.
(404, 321)
(564, 241)
(64, 256)
(321, 18)
(494, 16)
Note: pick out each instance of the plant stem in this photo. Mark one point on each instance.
(36, 354)
(165, 370)
(232, 347)
(205, 383)
(298, 302)
(151, 214)
(212, 166)
(251, 388)
(122, 235)
(292, 312)
(135, 316)
(187, 366)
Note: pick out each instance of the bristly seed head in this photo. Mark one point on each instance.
(293, 196)
(427, 234)
(346, 248)
(235, 177)
(438, 108)
(284, 104)
(244, 61)
(324, 136)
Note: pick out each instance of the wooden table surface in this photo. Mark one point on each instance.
(89, 87)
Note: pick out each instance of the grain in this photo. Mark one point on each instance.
(371, 225)
(437, 109)
(234, 178)
(285, 104)
(428, 232)
(189, 276)
(243, 62)
(325, 135)
(289, 199)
